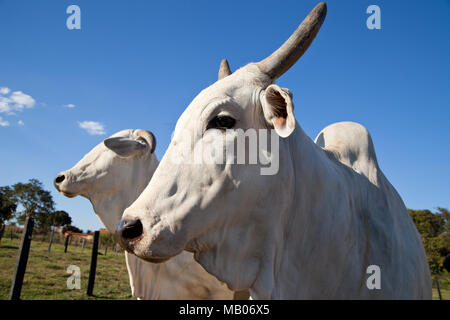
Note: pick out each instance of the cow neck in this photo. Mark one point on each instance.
(110, 207)
(298, 167)
(320, 183)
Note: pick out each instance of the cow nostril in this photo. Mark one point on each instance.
(131, 230)
(60, 178)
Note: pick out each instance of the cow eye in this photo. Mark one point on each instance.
(221, 122)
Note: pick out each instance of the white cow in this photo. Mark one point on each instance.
(111, 176)
(311, 231)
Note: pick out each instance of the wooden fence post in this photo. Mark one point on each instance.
(82, 245)
(90, 287)
(51, 239)
(66, 243)
(2, 230)
(22, 259)
(438, 287)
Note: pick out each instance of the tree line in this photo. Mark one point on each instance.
(434, 229)
(22, 199)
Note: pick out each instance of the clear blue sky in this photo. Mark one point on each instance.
(138, 64)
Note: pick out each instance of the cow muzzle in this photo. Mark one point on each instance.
(128, 233)
(151, 244)
(61, 184)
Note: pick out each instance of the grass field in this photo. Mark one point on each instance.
(46, 275)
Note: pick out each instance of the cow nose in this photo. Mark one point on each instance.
(59, 178)
(128, 231)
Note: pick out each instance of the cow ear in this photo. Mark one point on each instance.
(125, 147)
(147, 136)
(279, 110)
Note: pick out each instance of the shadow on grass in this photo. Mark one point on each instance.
(8, 247)
(94, 296)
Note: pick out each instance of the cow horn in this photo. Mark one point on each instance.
(294, 47)
(148, 136)
(224, 69)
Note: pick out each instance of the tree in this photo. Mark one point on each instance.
(58, 218)
(35, 200)
(427, 223)
(61, 218)
(434, 229)
(7, 207)
(71, 228)
(445, 214)
(8, 204)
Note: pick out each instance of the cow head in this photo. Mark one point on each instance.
(122, 162)
(201, 198)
